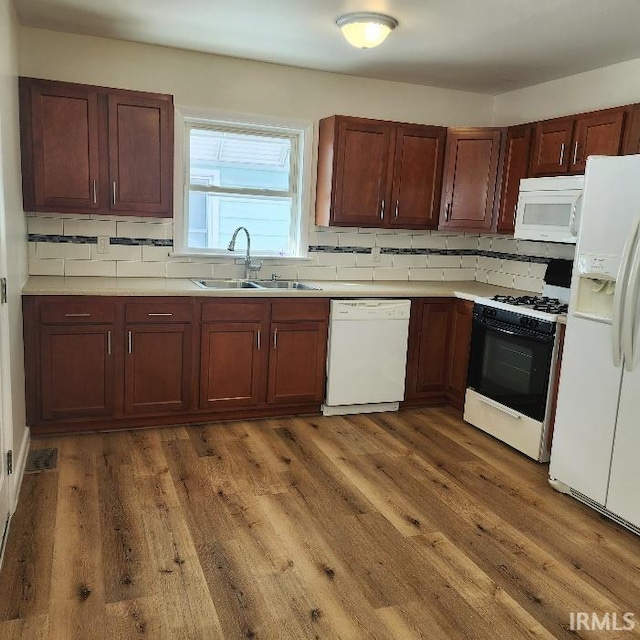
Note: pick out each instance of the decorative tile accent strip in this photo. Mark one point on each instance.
(146, 242)
(56, 239)
(36, 237)
(429, 251)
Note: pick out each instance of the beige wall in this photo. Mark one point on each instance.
(14, 223)
(230, 84)
(607, 87)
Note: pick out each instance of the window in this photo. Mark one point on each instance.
(242, 175)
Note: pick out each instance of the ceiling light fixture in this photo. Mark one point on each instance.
(366, 30)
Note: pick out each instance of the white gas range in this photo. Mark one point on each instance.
(512, 363)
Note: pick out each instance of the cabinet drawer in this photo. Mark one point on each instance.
(76, 312)
(306, 309)
(150, 311)
(234, 311)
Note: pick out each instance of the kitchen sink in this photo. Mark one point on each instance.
(225, 284)
(256, 284)
(284, 284)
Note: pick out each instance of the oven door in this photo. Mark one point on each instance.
(511, 365)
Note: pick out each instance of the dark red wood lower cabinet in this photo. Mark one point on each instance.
(77, 371)
(232, 364)
(461, 326)
(297, 362)
(157, 372)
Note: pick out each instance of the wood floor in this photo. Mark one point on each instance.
(409, 525)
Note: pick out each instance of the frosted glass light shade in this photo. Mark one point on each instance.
(366, 30)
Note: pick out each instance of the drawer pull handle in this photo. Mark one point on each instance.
(561, 161)
(108, 343)
(113, 193)
(494, 405)
(95, 192)
(154, 315)
(130, 341)
(275, 338)
(258, 336)
(77, 315)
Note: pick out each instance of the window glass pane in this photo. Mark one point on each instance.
(268, 219)
(239, 160)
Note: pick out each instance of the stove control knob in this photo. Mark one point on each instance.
(530, 323)
(489, 312)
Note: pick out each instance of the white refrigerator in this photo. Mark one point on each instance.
(595, 454)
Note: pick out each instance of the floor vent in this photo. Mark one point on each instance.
(41, 460)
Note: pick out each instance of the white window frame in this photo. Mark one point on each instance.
(185, 118)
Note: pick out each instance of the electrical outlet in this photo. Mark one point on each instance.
(103, 244)
(375, 254)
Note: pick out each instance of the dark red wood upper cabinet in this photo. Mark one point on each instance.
(417, 176)
(60, 146)
(599, 134)
(516, 164)
(140, 154)
(89, 149)
(362, 164)
(562, 146)
(374, 173)
(551, 152)
(470, 175)
(631, 142)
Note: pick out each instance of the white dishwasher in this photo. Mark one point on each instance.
(367, 355)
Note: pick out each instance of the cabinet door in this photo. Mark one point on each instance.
(77, 371)
(233, 363)
(516, 163)
(361, 172)
(631, 144)
(599, 134)
(60, 156)
(428, 349)
(297, 362)
(552, 147)
(417, 177)
(157, 368)
(471, 171)
(140, 155)
(461, 323)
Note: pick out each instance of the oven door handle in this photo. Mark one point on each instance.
(496, 405)
(491, 327)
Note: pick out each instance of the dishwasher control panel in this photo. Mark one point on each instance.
(370, 309)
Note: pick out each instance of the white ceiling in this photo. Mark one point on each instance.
(488, 46)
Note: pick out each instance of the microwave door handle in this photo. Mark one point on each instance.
(629, 313)
(573, 228)
(620, 294)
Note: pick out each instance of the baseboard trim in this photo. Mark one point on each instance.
(19, 467)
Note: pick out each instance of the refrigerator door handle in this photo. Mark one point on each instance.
(620, 296)
(630, 311)
(573, 227)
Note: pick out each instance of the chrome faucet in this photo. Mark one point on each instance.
(248, 265)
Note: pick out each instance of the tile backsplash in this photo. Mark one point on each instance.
(142, 247)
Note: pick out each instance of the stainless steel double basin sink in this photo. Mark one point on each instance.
(288, 285)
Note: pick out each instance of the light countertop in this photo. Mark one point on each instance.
(101, 286)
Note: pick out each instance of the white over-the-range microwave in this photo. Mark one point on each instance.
(549, 209)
